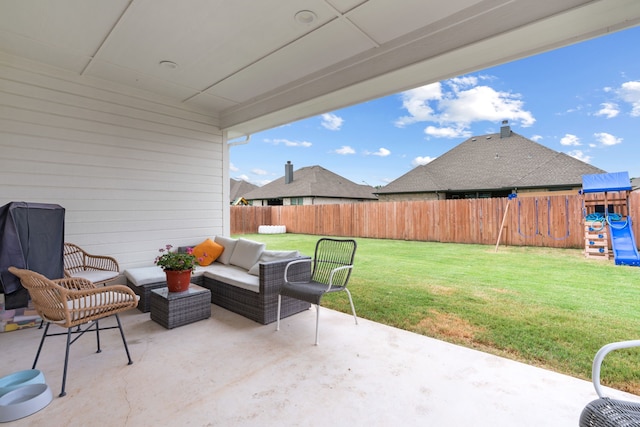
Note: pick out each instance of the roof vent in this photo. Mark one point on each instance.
(288, 172)
(505, 129)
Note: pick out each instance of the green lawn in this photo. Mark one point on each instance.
(547, 307)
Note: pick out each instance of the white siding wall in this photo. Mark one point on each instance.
(133, 172)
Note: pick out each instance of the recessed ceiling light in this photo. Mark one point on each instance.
(168, 64)
(306, 17)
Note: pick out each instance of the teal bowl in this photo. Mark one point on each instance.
(20, 378)
(24, 401)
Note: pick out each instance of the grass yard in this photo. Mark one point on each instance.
(551, 308)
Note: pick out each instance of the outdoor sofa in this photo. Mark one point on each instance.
(245, 278)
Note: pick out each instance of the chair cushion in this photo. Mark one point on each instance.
(207, 252)
(96, 300)
(246, 253)
(268, 256)
(96, 276)
(229, 244)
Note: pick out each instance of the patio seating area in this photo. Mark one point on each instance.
(229, 370)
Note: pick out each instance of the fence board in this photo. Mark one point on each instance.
(551, 221)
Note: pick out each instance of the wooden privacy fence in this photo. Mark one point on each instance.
(551, 221)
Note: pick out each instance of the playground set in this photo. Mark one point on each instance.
(606, 215)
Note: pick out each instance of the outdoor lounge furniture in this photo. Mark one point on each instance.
(75, 302)
(246, 279)
(607, 412)
(95, 268)
(331, 268)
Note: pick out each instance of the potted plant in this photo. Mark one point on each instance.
(177, 266)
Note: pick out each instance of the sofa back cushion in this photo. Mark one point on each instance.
(268, 256)
(229, 245)
(246, 253)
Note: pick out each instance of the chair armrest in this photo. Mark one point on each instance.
(334, 271)
(101, 262)
(600, 355)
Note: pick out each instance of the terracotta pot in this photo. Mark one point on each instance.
(178, 280)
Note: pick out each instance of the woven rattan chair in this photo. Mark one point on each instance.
(330, 271)
(95, 268)
(75, 302)
(607, 412)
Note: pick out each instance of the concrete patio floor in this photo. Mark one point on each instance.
(231, 371)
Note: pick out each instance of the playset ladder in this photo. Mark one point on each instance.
(596, 240)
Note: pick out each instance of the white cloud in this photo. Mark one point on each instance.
(345, 149)
(446, 132)
(289, 143)
(570, 139)
(259, 172)
(608, 110)
(233, 168)
(536, 138)
(578, 154)
(416, 102)
(630, 92)
(421, 160)
(382, 152)
(331, 121)
(607, 139)
(457, 103)
(243, 178)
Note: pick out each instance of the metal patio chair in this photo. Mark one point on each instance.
(98, 269)
(607, 412)
(330, 271)
(75, 302)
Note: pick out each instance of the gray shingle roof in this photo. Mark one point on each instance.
(238, 188)
(312, 181)
(489, 162)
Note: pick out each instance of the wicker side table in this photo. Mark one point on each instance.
(173, 309)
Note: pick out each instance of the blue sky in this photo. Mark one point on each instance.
(583, 100)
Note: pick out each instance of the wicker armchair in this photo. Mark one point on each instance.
(607, 412)
(95, 268)
(73, 302)
(331, 268)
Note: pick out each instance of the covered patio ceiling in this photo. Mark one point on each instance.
(252, 65)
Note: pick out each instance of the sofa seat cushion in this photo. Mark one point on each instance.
(232, 275)
(141, 276)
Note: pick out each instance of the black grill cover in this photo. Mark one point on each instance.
(31, 237)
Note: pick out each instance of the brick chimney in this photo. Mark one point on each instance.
(505, 129)
(288, 172)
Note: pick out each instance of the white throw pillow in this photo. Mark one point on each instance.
(229, 245)
(246, 253)
(268, 256)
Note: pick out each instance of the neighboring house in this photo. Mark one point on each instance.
(238, 188)
(312, 185)
(493, 165)
(635, 184)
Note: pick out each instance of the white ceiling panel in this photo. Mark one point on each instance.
(374, 18)
(299, 59)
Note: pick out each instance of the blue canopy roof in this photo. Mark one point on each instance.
(600, 182)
